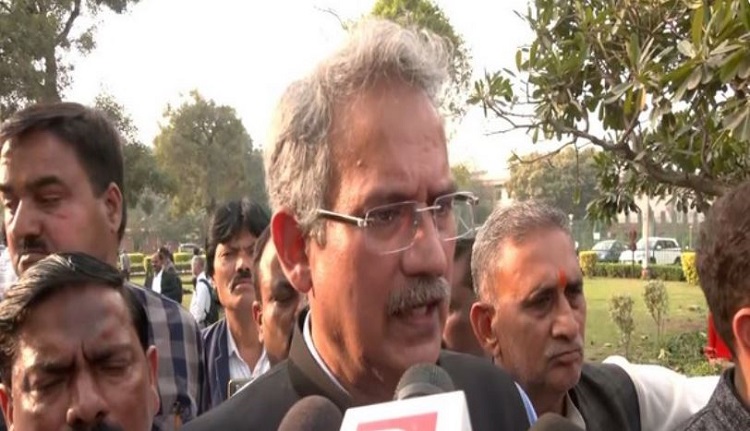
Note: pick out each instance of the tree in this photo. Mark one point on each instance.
(141, 170)
(426, 14)
(660, 86)
(566, 180)
(36, 40)
(208, 155)
(466, 180)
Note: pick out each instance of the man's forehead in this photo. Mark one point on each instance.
(524, 266)
(241, 238)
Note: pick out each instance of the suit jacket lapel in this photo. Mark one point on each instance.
(307, 377)
(221, 362)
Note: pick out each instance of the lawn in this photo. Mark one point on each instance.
(687, 314)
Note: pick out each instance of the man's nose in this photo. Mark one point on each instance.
(24, 222)
(427, 256)
(566, 325)
(87, 405)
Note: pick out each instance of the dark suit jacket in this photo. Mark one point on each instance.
(171, 285)
(493, 399)
(216, 355)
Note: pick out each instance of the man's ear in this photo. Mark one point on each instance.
(741, 330)
(481, 316)
(113, 206)
(258, 318)
(291, 250)
(152, 360)
(6, 402)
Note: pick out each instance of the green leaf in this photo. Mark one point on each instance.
(617, 91)
(731, 65)
(519, 58)
(686, 48)
(695, 78)
(696, 29)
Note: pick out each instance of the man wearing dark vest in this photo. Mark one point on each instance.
(724, 268)
(366, 215)
(531, 318)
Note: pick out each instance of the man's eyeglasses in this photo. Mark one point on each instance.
(391, 228)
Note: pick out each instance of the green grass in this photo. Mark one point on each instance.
(687, 313)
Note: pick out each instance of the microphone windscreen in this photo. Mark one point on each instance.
(313, 413)
(554, 422)
(423, 380)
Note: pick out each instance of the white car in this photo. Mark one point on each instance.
(662, 251)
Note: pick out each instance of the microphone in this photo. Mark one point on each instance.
(425, 399)
(423, 380)
(313, 413)
(554, 422)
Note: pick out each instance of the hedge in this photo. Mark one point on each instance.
(182, 257)
(689, 268)
(626, 270)
(136, 259)
(587, 260)
(181, 266)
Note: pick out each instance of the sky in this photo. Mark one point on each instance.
(244, 54)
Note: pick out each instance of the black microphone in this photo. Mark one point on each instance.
(313, 413)
(423, 380)
(554, 422)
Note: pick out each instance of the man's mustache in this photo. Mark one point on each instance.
(420, 291)
(35, 244)
(99, 426)
(242, 276)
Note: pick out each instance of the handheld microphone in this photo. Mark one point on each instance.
(425, 400)
(554, 422)
(423, 380)
(313, 413)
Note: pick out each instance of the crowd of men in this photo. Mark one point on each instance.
(366, 267)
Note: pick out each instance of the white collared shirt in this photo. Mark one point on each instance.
(156, 282)
(307, 336)
(238, 368)
(200, 304)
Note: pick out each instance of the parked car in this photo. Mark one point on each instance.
(609, 250)
(188, 247)
(662, 251)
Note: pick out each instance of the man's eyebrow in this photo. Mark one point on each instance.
(102, 354)
(49, 180)
(50, 367)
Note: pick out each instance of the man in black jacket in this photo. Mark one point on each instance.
(365, 220)
(166, 279)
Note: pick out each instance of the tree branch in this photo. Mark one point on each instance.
(530, 161)
(63, 36)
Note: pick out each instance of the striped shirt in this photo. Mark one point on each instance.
(180, 351)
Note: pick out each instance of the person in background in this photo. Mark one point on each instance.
(458, 334)
(194, 270)
(531, 317)
(723, 260)
(277, 303)
(166, 280)
(74, 350)
(125, 264)
(234, 354)
(200, 303)
(61, 182)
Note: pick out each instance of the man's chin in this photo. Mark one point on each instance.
(28, 260)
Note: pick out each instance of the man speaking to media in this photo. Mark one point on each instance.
(366, 215)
